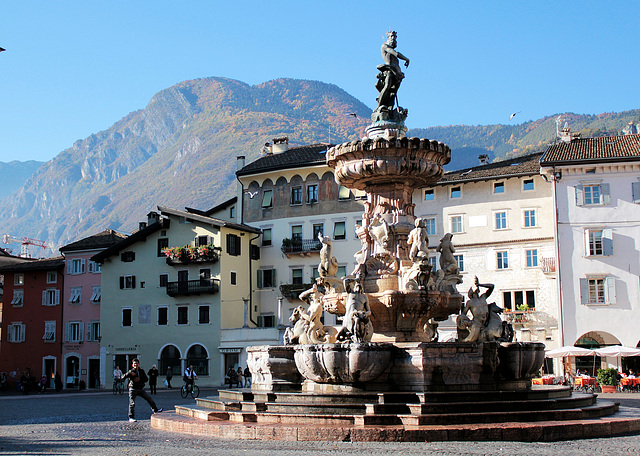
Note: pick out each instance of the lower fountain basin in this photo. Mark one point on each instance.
(342, 363)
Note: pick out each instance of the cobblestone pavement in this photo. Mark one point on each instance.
(96, 424)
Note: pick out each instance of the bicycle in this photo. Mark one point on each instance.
(118, 386)
(189, 389)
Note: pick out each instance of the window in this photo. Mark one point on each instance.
(203, 315)
(429, 194)
(433, 261)
(74, 333)
(312, 193)
(266, 237)
(598, 291)
(296, 232)
(529, 218)
(342, 271)
(127, 282)
(518, 299)
(296, 195)
(128, 257)
(234, 278)
(266, 278)
(315, 273)
(344, 193)
(18, 298)
(75, 295)
(163, 243)
(318, 228)
(359, 194)
(267, 199)
(76, 266)
(430, 224)
(503, 259)
(593, 194)
(96, 293)
(198, 357)
(52, 277)
(460, 262)
(49, 331)
(527, 185)
(126, 317)
(456, 192)
(94, 331)
(233, 244)
(163, 280)
(18, 279)
(202, 240)
(501, 220)
(183, 315)
(498, 187)
(232, 212)
(599, 242)
(531, 258)
(339, 230)
(456, 224)
(16, 332)
(163, 317)
(296, 276)
(50, 297)
(95, 268)
(266, 321)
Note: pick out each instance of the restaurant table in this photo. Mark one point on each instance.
(543, 381)
(584, 382)
(630, 383)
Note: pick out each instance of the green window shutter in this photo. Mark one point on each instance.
(610, 290)
(584, 291)
(579, 196)
(259, 271)
(273, 277)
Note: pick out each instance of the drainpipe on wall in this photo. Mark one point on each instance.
(251, 282)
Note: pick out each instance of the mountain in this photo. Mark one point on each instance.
(181, 151)
(14, 174)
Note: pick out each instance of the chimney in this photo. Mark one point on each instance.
(142, 225)
(152, 217)
(484, 159)
(565, 133)
(240, 159)
(280, 145)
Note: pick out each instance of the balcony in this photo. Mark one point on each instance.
(189, 254)
(549, 265)
(193, 287)
(302, 247)
(292, 290)
(520, 318)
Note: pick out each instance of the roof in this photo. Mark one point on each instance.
(139, 235)
(101, 240)
(34, 265)
(591, 150)
(208, 220)
(527, 165)
(214, 209)
(295, 157)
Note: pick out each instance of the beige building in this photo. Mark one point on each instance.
(170, 309)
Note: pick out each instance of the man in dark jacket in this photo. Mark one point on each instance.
(153, 374)
(137, 378)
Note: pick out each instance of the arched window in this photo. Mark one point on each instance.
(197, 357)
(170, 357)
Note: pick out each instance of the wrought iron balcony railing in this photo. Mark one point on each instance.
(293, 290)
(301, 245)
(192, 287)
(548, 265)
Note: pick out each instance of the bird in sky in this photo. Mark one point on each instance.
(514, 114)
(352, 114)
(251, 194)
(2, 49)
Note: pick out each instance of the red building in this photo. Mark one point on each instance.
(32, 318)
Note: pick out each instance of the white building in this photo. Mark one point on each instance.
(596, 189)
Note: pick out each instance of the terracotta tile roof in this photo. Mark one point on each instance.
(295, 157)
(605, 148)
(98, 241)
(48, 264)
(127, 241)
(526, 165)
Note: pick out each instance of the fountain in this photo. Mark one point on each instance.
(384, 366)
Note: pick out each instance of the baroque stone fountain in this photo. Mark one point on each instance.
(384, 366)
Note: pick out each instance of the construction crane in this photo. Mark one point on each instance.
(25, 243)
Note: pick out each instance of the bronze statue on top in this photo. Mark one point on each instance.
(389, 80)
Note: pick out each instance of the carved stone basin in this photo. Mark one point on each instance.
(520, 360)
(342, 363)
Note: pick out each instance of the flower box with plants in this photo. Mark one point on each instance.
(608, 379)
(190, 254)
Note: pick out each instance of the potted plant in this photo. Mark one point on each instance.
(608, 379)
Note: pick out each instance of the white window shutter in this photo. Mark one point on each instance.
(69, 266)
(587, 250)
(57, 298)
(67, 332)
(10, 333)
(607, 242)
(44, 298)
(606, 193)
(584, 291)
(23, 332)
(610, 290)
(83, 266)
(579, 196)
(81, 332)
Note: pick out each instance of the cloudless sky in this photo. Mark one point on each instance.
(75, 67)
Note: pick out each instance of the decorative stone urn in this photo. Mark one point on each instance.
(349, 363)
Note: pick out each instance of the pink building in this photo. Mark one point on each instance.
(81, 310)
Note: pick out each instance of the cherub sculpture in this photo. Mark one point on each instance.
(356, 323)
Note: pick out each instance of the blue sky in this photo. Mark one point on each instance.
(73, 68)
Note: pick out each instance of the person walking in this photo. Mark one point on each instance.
(137, 379)
(169, 377)
(247, 377)
(153, 374)
(240, 377)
